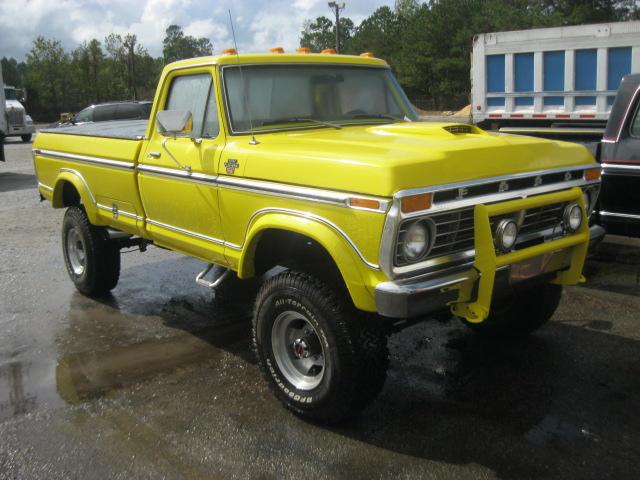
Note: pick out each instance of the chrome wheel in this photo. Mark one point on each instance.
(76, 252)
(298, 350)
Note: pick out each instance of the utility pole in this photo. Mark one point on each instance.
(336, 8)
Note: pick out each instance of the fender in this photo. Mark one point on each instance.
(347, 258)
(86, 195)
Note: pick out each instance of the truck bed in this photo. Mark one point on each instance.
(120, 129)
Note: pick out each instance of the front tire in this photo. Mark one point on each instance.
(521, 313)
(92, 259)
(26, 138)
(319, 356)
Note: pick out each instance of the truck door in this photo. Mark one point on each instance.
(619, 207)
(177, 174)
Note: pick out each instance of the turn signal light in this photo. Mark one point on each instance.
(367, 54)
(230, 51)
(303, 50)
(592, 174)
(329, 51)
(416, 203)
(367, 203)
(277, 50)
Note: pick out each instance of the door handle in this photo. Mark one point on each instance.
(154, 154)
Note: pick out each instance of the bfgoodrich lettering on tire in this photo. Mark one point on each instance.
(322, 359)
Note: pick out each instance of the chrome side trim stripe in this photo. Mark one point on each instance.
(179, 174)
(317, 218)
(123, 213)
(258, 186)
(267, 188)
(206, 238)
(85, 159)
(46, 187)
(619, 215)
(293, 191)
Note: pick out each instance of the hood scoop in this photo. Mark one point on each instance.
(461, 128)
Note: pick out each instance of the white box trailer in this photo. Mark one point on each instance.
(551, 77)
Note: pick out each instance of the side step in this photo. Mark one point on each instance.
(200, 280)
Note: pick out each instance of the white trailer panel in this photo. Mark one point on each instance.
(552, 74)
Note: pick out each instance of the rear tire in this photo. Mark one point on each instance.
(321, 358)
(92, 259)
(521, 313)
(26, 138)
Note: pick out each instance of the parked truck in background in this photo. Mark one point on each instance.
(3, 119)
(19, 123)
(552, 82)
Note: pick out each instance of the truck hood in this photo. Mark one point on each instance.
(383, 159)
(14, 104)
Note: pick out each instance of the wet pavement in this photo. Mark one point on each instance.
(158, 380)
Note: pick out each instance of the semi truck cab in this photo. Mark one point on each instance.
(19, 124)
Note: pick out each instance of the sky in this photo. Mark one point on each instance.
(259, 25)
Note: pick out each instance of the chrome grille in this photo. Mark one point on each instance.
(455, 234)
(16, 117)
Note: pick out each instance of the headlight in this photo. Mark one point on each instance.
(572, 217)
(506, 234)
(417, 241)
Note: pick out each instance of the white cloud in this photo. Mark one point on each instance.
(259, 25)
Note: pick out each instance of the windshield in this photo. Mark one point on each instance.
(303, 96)
(10, 94)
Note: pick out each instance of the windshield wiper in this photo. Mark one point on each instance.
(379, 116)
(300, 119)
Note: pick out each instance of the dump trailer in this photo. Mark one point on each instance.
(552, 82)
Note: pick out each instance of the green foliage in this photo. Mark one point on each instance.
(429, 44)
(321, 33)
(177, 45)
(120, 68)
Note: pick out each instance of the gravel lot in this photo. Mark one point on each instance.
(158, 381)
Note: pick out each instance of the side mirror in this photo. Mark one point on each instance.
(173, 123)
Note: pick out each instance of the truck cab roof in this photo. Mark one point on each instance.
(277, 58)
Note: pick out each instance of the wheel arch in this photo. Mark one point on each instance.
(71, 189)
(290, 229)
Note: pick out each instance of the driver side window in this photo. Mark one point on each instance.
(194, 93)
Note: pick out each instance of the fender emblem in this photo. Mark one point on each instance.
(231, 165)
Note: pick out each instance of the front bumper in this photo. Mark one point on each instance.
(469, 292)
(17, 130)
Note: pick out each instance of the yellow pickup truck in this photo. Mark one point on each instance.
(319, 164)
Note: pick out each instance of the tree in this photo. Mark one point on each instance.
(89, 62)
(12, 71)
(47, 77)
(177, 45)
(321, 33)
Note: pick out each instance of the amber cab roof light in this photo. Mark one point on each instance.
(329, 51)
(277, 50)
(367, 54)
(229, 51)
(303, 50)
